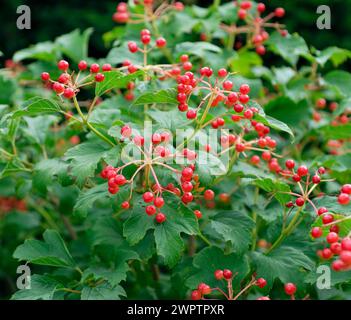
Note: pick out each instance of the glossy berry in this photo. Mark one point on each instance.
(279, 12)
(191, 114)
(187, 197)
(302, 171)
(327, 218)
(68, 93)
(218, 274)
(244, 89)
(196, 295)
(125, 205)
(209, 195)
(227, 274)
(82, 65)
(132, 46)
(106, 67)
(344, 198)
(316, 232)
(148, 197)
(198, 214)
(222, 73)
(94, 68)
(322, 210)
(332, 237)
(63, 65)
(345, 256)
(159, 202)
(346, 244)
(290, 288)
(300, 202)
(290, 164)
(161, 42)
(261, 283)
(58, 87)
(150, 210)
(346, 188)
(160, 218)
(261, 7)
(45, 76)
(99, 77)
(316, 179)
(227, 85)
(204, 288)
(126, 131)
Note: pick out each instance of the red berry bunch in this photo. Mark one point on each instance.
(121, 15)
(68, 85)
(255, 25)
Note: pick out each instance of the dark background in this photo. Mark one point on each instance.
(51, 18)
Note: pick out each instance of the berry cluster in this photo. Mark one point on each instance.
(145, 38)
(68, 85)
(123, 14)
(255, 25)
(8, 204)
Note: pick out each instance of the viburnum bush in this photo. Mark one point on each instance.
(207, 156)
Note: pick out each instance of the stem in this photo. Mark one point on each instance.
(204, 239)
(99, 134)
(254, 232)
(285, 232)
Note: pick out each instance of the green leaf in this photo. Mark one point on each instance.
(276, 187)
(37, 106)
(340, 80)
(196, 48)
(46, 51)
(115, 80)
(75, 44)
(50, 252)
(42, 287)
(208, 260)
(336, 132)
(7, 90)
(103, 292)
(46, 170)
(235, 227)
(162, 96)
(336, 55)
(274, 124)
(284, 263)
(290, 48)
(87, 198)
(170, 120)
(333, 205)
(85, 157)
(38, 127)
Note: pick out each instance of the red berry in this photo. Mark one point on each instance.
(338, 265)
(99, 77)
(150, 210)
(106, 67)
(187, 173)
(248, 114)
(145, 39)
(191, 114)
(345, 256)
(187, 66)
(187, 197)
(209, 195)
(327, 218)
(58, 87)
(125, 205)
(222, 73)
(332, 237)
(187, 186)
(132, 46)
(159, 202)
(346, 244)
(160, 218)
(322, 210)
(204, 288)
(344, 198)
(290, 164)
(161, 42)
(218, 274)
(126, 131)
(227, 274)
(242, 14)
(63, 65)
(240, 147)
(148, 197)
(244, 89)
(196, 295)
(302, 171)
(82, 65)
(94, 68)
(300, 202)
(327, 253)
(261, 283)
(261, 7)
(279, 12)
(45, 76)
(316, 179)
(227, 85)
(184, 58)
(198, 214)
(290, 288)
(316, 232)
(238, 108)
(336, 247)
(68, 93)
(346, 188)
